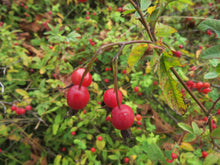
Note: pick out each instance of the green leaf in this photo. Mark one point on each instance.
(113, 157)
(211, 24)
(169, 86)
(196, 129)
(21, 92)
(163, 30)
(145, 4)
(211, 159)
(57, 160)
(211, 53)
(136, 53)
(189, 137)
(217, 69)
(100, 144)
(185, 127)
(154, 152)
(55, 128)
(211, 75)
(216, 133)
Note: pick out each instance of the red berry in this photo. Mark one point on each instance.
(106, 80)
(109, 8)
(205, 118)
(209, 33)
(155, 83)
(169, 161)
(87, 17)
(0, 150)
(213, 126)
(73, 133)
(87, 13)
(218, 112)
(99, 138)
(139, 94)
(174, 156)
(77, 98)
(94, 13)
(206, 90)
(177, 53)
(189, 83)
(25, 7)
(136, 89)
(138, 117)
(92, 43)
(108, 118)
(206, 85)
(13, 108)
(28, 107)
(138, 128)
(16, 44)
(122, 118)
(63, 149)
(109, 98)
(138, 123)
(119, 9)
(126, 160)
(106, 69)
(50, 12)
(54, 75)
(180, 46)
(92, 149)
(51, 47)
(82, 0)
(192, 68)
(204, 154)
(84, 111)
(20, 111)
(77, 76)
(109, 69)
(124, 72)
(199, 85)
(210, 4)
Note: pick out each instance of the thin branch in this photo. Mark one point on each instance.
(213, 105)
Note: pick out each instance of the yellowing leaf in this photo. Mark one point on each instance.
(59, 21)
(14, 137)
(109, 25)
(57, 160)
(100, 144)
(3, 130)
(198, 52)
(187, 146)
(148, 68)
(21, 92)
(136, 53)
(150, 10)
(60, 15)
(163, 30)
(123, 91)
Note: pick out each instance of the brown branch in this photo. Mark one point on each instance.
(213, 105)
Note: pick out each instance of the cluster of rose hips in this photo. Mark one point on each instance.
(203, 87)
(91, 42)
(78, 96)
(213, 122)
(20, 111)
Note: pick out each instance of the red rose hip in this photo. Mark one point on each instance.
(77, 98)
(109, 98)
(122, 118)
(77, 76)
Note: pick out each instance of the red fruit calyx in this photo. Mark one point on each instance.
(77, 76)
(77, 98)
(109, 98)
(122, 118)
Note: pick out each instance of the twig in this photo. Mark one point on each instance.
(213, 105)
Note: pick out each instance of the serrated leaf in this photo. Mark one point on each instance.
(211, 53)
(145, 4)
(154, 152)
(211, 24)
(185, 127)
(163, 30)
(100, 144)
(57, 160)
(21, 92)
(211, 75)
(211, 159)
(186, 146)
(172, 95)
(189, 137)
(136, 53)
(216, 133)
